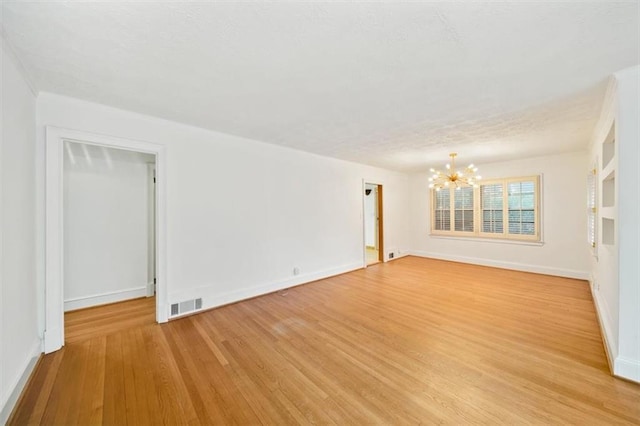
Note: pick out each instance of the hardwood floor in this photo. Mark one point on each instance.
(410, 341)
(85, 324)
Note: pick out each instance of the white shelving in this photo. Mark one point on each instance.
(608, 190)
(607, 187)
(609, 148)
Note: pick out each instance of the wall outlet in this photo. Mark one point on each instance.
(391, 255)
(296, 271)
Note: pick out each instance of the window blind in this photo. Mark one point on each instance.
(463, 205)
(492, 215)
(521, 202)
(442, 210)
(591, 208)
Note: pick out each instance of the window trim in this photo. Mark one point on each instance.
(477, 212)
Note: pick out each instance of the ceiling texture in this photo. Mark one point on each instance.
(392, 84)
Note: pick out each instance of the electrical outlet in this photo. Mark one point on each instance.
(391, 254)
(296, 271)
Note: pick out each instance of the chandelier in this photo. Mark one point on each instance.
(454, 178)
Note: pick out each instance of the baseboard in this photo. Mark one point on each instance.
(104, 298)
(608, 340)
(567, 273)
(20, 381)
(213, 299)
(151, 289)
(628, 369)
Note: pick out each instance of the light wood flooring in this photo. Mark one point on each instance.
(104, 320)
(405, 342)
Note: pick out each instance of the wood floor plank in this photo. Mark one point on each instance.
(410, 341)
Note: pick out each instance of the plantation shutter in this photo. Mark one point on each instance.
(442, 220)
(521, 202)
(463, 202)
(591, 209)
(491, 198)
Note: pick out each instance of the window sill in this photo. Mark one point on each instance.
(488, 240)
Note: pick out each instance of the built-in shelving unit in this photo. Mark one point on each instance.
(608, 189)
(613, 222)
(608, 231)
(609, 148)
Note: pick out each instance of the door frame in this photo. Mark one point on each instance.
(54, 224)
(151, 238)
(380, 227)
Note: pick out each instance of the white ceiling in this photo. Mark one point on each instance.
(396, 85)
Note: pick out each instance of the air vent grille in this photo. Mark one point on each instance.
(186, 307)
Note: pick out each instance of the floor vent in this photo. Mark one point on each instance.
(186, 307)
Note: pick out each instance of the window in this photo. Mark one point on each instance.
(591, 209)
(504, 208)
(442, 211)
(463, 203)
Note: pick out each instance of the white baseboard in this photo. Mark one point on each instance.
(104, 298)
(212, 299)
(568, 273)
(627, 368)
(151, 289)
(18, 383)
(604, 318)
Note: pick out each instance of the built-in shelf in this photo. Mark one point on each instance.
(609, 190)
(608, 231)
(608, 212)
(609, 147)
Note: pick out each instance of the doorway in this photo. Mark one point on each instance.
(373, 224)
(108, 225)
(56, 221)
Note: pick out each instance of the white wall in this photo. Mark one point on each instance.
(241, 214)
(615, 271)
(19, 339)
(564, 251)
(604, 266)
(628, 180)
(105, 225)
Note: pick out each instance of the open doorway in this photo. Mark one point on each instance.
(108, 238)
(56, 220)
(373, 235)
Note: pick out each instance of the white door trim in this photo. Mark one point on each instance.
(54, 232)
